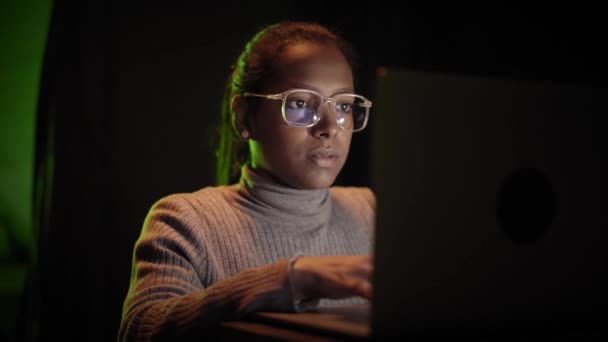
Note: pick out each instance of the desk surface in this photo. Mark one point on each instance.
(341, 323)
(252, 331)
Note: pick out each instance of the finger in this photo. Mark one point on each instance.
(367, 267)
(362, 270)
(358, 287)
(364, 289)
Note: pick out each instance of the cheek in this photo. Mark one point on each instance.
(345, 138)
(343, 143)
(289, 142)
(280, 143)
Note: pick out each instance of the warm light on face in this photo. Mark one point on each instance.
(302, 132)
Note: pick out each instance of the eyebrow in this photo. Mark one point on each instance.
(306, 86)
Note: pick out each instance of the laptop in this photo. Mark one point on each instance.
(492, 214)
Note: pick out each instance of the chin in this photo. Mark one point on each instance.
(318, 180)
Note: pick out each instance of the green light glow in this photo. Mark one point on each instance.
(23, 32)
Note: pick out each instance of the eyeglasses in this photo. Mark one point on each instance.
(301, 108)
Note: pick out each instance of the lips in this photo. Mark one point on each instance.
(323, 157)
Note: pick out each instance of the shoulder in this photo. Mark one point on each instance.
(185, 210)
(182, 220)
(193, 202)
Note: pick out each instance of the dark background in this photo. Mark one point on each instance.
(131, 93)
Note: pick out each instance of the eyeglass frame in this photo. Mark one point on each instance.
(367, 104)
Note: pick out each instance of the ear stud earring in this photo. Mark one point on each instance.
(244, 134)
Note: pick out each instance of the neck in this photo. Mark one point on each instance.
(273, 197)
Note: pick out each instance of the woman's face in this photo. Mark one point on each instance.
(304, 158)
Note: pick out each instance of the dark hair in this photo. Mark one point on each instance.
(252, 67)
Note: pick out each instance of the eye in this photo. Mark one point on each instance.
(296, 103)
(344, 107)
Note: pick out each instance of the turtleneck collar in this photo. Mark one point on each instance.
(270, 198)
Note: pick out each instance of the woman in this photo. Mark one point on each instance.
(281, 238)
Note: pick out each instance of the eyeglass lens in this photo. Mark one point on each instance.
(301, 109)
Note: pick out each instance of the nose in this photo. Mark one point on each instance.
(327, 127)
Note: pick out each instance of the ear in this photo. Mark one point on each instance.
(238, 106)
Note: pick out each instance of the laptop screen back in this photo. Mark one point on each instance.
(491, 205)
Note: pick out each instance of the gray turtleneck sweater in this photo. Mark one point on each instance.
(223, 252)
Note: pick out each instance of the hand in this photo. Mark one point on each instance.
(332, 276)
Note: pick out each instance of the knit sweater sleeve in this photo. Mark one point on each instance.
(167, 298)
